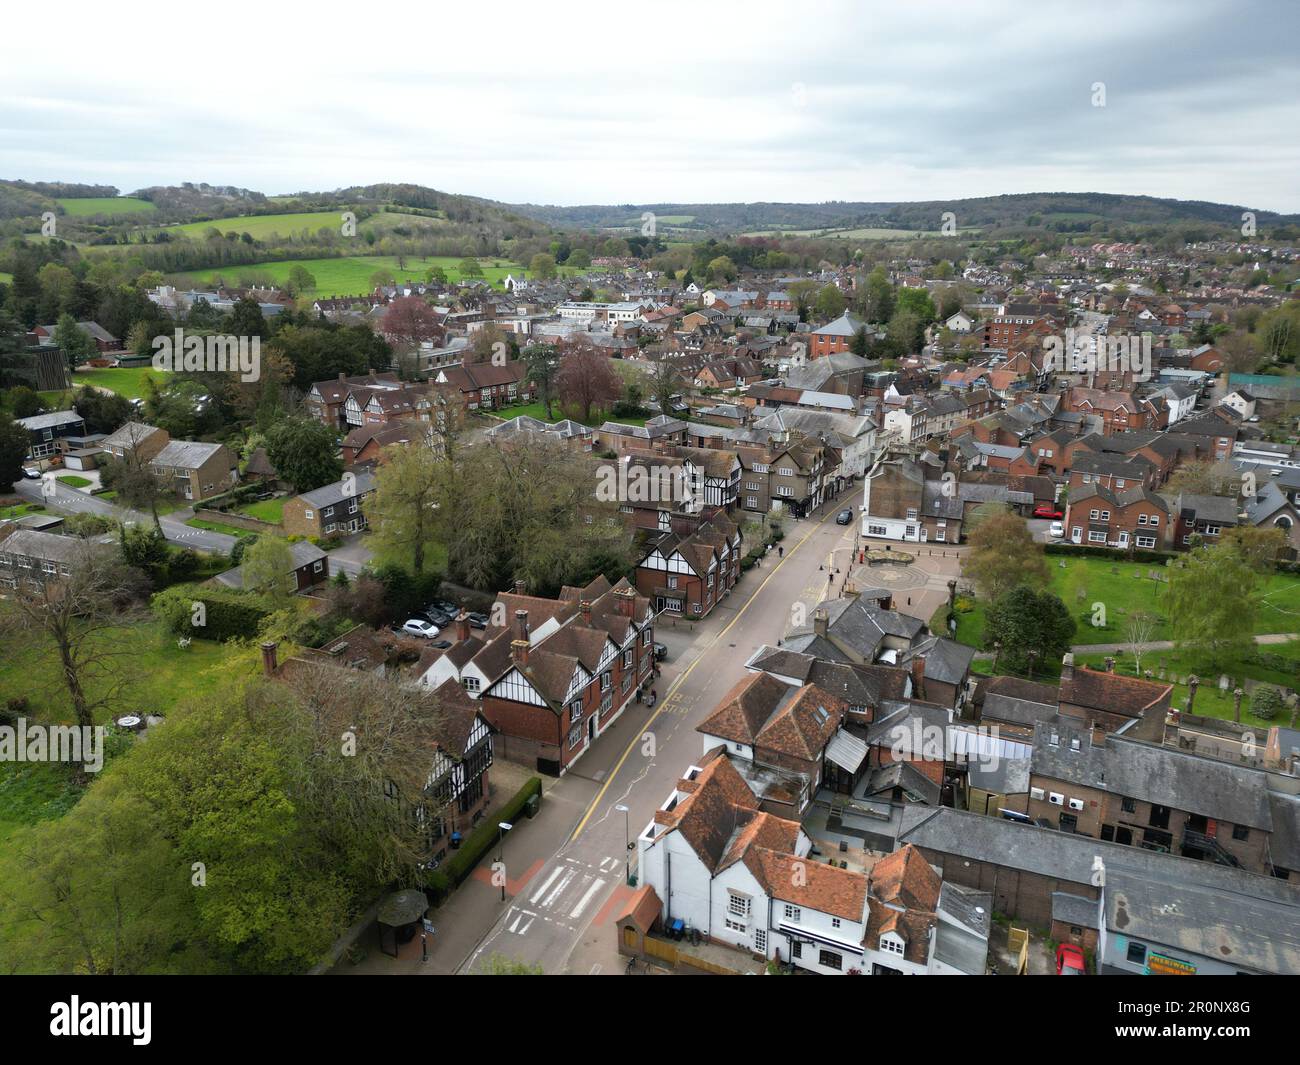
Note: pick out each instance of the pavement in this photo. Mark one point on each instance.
(566, 870)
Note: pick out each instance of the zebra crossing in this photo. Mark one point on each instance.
(561, 896)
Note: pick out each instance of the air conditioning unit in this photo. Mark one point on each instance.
(1076, 804)
(1036, 793)
(1055, 799)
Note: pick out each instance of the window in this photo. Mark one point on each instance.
(605, 681)
(891, 945)
(575, 710)
(1105, 515)
(738, 905)
(760, 940)
(831, 960)
(735, 926)
(1095, 537)
(1240, 832)
(575, 735)
(835, 922)
(1129, 806)
(1154, 519)
(1146, 541)
(1094, 514)
(793, 913)
(1137, 953)
(471, 684)
(796, 949)
(627, 658)
(317, 566)
(1142, 519)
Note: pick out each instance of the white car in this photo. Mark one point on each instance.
(1057, 530)
(416, 627)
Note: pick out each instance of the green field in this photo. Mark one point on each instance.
(856, 234)
(269, 226)
(106, 205)
(126, 381)
(1086, 581)
(350, 276)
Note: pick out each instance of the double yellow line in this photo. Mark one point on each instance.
(659, 709)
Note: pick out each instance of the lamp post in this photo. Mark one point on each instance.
(503, 827)
(627, 840)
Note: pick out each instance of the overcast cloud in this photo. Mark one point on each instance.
(605, 103)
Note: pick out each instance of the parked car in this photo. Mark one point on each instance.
(1070, 961)
(477, 620)
(438, 616)
(31, 473)
(661, 652)
(419, 627)
(844, 517)
(1046, 510)
(446, 606)
(1057, 529)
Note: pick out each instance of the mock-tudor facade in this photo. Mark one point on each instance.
(690, 569)
(557, 673)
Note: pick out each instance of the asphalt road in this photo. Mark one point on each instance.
(559, 913)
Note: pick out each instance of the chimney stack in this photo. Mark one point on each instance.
(1110, 665)
(626, 599)
(462, 627)
(820, 621)
(918, 676)
(1067, 666)
(584, 608)
(520, 587)
(521, 625)
(270, 662)
(519, 652)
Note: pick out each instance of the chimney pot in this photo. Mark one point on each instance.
(1067, 666)
(584, 608)
(520, 586)
(269, 657)
(521, 625)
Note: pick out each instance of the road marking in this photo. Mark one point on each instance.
(596, 885)
(559, 888)
(549, 881)
(636, 740)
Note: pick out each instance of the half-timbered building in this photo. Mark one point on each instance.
(689, 569)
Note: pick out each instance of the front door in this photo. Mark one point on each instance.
(591, 727)
(1123, 539)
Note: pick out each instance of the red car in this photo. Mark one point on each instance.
(1070, 961)
(1045, 510)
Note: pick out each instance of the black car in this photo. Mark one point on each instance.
(844, 517)
(477, 620)
(438, 616)
(446, 606)
(661, 652)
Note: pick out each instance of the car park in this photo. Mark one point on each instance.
(419, 627)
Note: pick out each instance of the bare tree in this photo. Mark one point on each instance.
(75, 608)
(1137, 632)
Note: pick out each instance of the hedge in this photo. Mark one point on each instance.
(448, 876)
(1090, 551)
(229, 613)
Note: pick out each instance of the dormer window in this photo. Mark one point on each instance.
(891, 944)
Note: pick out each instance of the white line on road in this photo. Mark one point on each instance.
(576, 912)
(542, 890)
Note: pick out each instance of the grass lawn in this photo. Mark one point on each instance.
(128, 381)
(271, 510)
(538, 411)
(1085, 581)
(20, 510)
(158, 675)
(106, 205)
(73, 481)
(216, 527)
(350, 276)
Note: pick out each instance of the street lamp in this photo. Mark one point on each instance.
(503, 827)
(627, 839)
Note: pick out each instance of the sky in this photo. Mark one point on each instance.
(579, 103)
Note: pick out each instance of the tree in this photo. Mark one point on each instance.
(14, 444)
(435, 275)
(1259, 547)
(268, 569)
(1211, 600)
(410, 321)
(132, 478)
(497, 964)
(1206, 478)
(667, 387)
(878, 301)
(24, 402)
(1138, 630)
(1031, 626)
(586, 381)
(542, 266)
(75, 611)
(542, 366)
(76, 342)
(246, 319)
(1002, 555)
(469, 267)
(144, 549)
(402, 512)
(301, 280)
(1265, 702)
(303, 451)
(830, 302)
(906, 331)
(722, 268)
